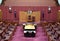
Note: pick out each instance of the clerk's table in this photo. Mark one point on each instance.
(29, 30)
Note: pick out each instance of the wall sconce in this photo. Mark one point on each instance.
(49, 9)
(10, 10)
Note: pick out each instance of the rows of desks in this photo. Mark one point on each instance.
(6, 32)
(53, 32)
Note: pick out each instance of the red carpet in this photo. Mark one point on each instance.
(40, 36)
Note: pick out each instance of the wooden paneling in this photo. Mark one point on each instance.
(23, 16)
(0, 15)
(37, 16)
(58, 16)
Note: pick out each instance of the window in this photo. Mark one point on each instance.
(0, 2)
(59, 2)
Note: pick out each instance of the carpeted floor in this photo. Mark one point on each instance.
(40, 36)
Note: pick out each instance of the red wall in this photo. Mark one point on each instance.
(10, 16)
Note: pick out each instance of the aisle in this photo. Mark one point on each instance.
(40, 36)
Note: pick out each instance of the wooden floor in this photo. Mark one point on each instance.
(30, 3)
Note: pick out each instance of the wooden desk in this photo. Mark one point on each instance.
(29, 30)
(29, 26)
(10, 34)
